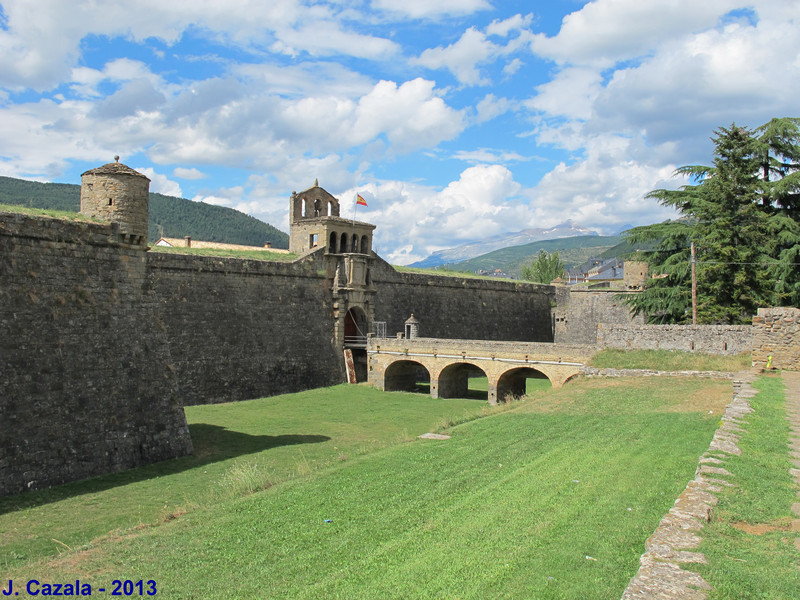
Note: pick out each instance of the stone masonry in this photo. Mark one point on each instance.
(777, 334)
(712, 339)
(86, 384)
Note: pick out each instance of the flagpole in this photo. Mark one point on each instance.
(359, 200)
(355, 208)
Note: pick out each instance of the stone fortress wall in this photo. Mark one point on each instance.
(86, 385)
(463, 308)
(102, 342)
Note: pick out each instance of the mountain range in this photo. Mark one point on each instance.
(526, 236)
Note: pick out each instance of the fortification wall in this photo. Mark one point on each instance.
(777, 334)
(85, 383)
(713, 339)
(579, 311)
(242, 329)
(462, 308)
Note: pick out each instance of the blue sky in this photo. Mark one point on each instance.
(455, 119)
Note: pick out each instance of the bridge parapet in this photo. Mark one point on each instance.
(504, 363)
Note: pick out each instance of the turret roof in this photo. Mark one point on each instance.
(114, 168)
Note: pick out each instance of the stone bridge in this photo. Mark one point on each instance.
(396, 364)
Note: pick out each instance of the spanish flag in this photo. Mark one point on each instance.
(360, 201)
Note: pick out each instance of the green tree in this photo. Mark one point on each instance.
(779, 156)
(544, 269)
(741, 213)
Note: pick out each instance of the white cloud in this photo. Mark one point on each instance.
(504, 27)
(462, 57)
(183, 173)
(605, 189)
(411, 115)
(512, 67)
(490, 107)
(487, 155)
(41, 44)
(474, 51)
(307, 38)
(604, 32)
(421, 9)
(571, 93)
(415, 220)
(161, 184)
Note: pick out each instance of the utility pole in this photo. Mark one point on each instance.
(694, 286)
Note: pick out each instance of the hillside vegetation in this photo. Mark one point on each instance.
(169, 216)
(573, 251)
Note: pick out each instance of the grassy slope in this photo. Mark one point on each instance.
(749, 544)
(247, 254)
(280, 437)
(511, 507)
(670, 360)
(572, 251)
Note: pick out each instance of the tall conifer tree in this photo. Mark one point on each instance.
(742, 214)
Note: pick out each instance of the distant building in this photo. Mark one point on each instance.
(494, 273)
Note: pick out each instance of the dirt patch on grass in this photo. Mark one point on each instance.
(784, 525)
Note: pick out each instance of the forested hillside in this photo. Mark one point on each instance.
(573, 251)
(169, 216)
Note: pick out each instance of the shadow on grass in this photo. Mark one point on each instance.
(212, 443)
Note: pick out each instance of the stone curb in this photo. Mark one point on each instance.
(595, 372)
(660, 575)
(793, 414)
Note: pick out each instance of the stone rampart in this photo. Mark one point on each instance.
(102, 343)
(240, 329)
(712, 339)
(579, 309)
(463, 308)
(85, 380)
(777, 334)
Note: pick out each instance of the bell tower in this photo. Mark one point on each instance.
(346, 244)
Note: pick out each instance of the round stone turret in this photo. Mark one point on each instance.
(118, 194)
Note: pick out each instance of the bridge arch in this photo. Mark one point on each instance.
(453, 380)
(514, 382)
(406, 376)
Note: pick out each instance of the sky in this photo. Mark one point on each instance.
(456, 120)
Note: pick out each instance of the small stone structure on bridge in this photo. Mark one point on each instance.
(394, 364)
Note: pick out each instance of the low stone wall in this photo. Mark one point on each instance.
(777, 334)
(713, 339)
(595, 372)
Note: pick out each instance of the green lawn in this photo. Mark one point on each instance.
(45, 212)
(670, 360)
(551, 499)
(237, 446)
(749, 543)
